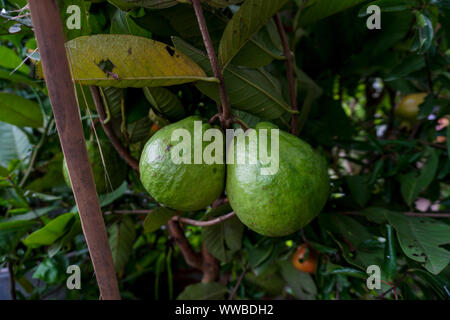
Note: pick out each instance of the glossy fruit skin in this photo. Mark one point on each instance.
(184, 187)
(115, 166)
(309, 265)
(280, 204)
(408, 107)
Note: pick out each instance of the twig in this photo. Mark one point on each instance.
(12, 281)
(210, 266)
(121, 150)
(35, 153)
(225, 101)
(289, 74)
(207, 223)
(238, 282)
(409, 214)
(192, 222)
(191, 257)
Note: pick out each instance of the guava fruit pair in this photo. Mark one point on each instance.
(106, 177)
(274, 204)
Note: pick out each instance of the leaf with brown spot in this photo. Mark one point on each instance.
(129, 61)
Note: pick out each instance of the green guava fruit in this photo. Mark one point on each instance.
(180, 186)
(115, 167)
(408, 107)
(285, 201)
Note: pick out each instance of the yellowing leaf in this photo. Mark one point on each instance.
(129, 61)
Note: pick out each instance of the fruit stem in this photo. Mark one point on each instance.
(224, 99)
(289, 73)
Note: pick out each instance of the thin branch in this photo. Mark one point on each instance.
(192, 222)
(191, 257)
(207, 223)
(36, 152)
(210, 266)
(121, 150)
(238, 282)
(226, 108)
(289, 73)
(409, 214)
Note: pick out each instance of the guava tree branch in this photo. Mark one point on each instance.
(192, 258)
(207, 223)
(289, 73)
(197, 223)
(224, 99)
(117, 144)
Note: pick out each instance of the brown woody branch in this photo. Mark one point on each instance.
(192, 222)
(224, 99)
(289, 73)
(191, 257)
(207, 223)
(121, 150)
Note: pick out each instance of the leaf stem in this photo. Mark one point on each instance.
(289, 73)
(121, 150)
(224, 99)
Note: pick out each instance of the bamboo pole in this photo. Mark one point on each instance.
(50, 38)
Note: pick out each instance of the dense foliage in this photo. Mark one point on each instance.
(389, 173)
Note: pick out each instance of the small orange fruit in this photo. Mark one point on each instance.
(305, 259)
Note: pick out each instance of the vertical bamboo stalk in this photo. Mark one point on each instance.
(50, 38)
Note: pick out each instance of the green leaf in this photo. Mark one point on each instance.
(165, 102)
(51, 232)
(349, 272)
(251, 16)
(262, 49)
(300, 282)
(423, 37)
(204, 291)
(157, 218)
(121, 239)
(106, 199)
(390, 256)
(15, 144)
(421, 240)
(360, 189)
(385, 6)
(252, 90)
(113, 99)
(411, 185)
(10, 60)
(129, 61)
(121, 23)
(223, 240)
(19, 111)
(52, 270)
(318, 9)
(437, 283)
(12, 226)
(36, 213)
(354, 237)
